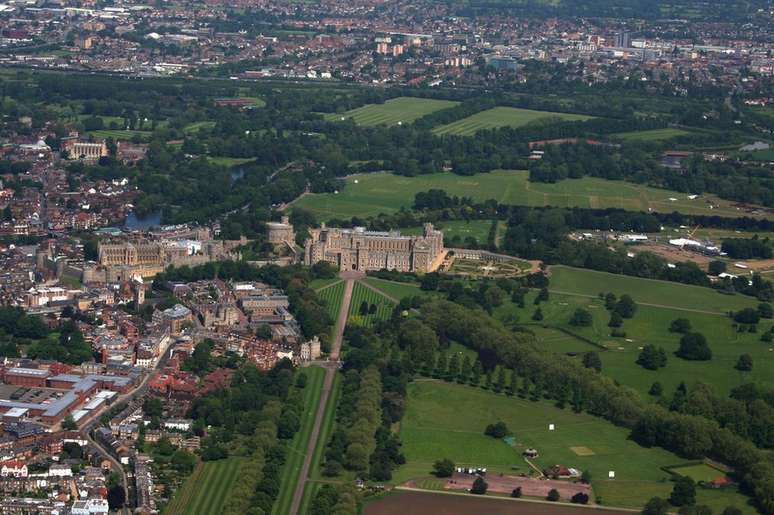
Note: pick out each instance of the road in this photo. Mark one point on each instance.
(330, 373)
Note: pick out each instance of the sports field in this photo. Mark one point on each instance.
(393, 112)
(498, 117)
(703, 307)
(206, 490)
(698, 472)
(445, 420)
(361, 294)
(652, 135)
(297, 448)
(122, 135)
(374, 193)
(331, 294)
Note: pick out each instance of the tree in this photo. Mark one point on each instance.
(443, 468)
(765, 310)
(693, 346)
(732, 510)
(652, 357)
(542, 295)
(363, 308)
(580, 498)
(116, 497)
(581, 318)
(656, 506)
(680, 325)
(263, 332)
(716, 267)
(538, 315)
(684, 492)
(553, 495)
(497, 430)
(586, 477)
(69, 424)
(615, 320)
(479, 486)
(516, 492)
(744, 363)
(747, 316)
(625, 306)
(591, 360)
(656, 389)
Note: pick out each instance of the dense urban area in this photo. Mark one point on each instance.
(376, 257)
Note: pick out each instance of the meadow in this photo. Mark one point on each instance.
(652, 135)
(395, 111)
(297, 447)
(360, 294)
(498, 117)
(703, 307)
(445, 420)
(206, 490)
(332, 294)
(393, 289)
(463, 229)
(120, 135)
(382, 192)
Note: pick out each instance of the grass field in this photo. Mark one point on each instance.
(326, 429)
(393, 112)
(446, 420)
(229, 161)
(650, 325)
(394, 289)
(123, 135)
(361, 294)
(698, 472)
(502, 117)
(652, 135)
(194, 127)
(297, 448)
(476, 229)
(206, 490)
(383, 192)
(759, 155)
(331, 294)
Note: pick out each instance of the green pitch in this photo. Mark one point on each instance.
(396, 111)
(374, 193)
(206, 491)
(498, 117)
(360, 294)
(652, 135)
(446, 420)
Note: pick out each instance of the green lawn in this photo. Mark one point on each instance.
(297, 448)
(446, 420)
(194, 127)
(699, 472)
(652, 135)
(205, 492)
(462, 229)
(394, 289)
(382, 192)
(650, 325)
(361, 294)
(502, 117)
(331, 294)
(123, 135)
(319, 284)
(393, 112)
(229, 161)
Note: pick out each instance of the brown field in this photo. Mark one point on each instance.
(582, 451)
(530, 487)
(425, 503)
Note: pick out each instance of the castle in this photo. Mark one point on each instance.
(358, 249)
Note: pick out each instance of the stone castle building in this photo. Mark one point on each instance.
(358, 249)
(280, 232)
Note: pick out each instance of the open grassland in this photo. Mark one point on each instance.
(703, 307)
(205, 492)
(393, 289)
(332, 294)
(383, 306)
(120, 135)
(698, 472)
(229, 161)
(326, 430)
(502, 117)
(462, 229)
(652, 135)
(319, 284)
(297, 448)
(374, 193)
(194, 127)
(393, 112)
(446, 420)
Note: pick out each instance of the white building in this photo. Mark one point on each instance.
(90, 507)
